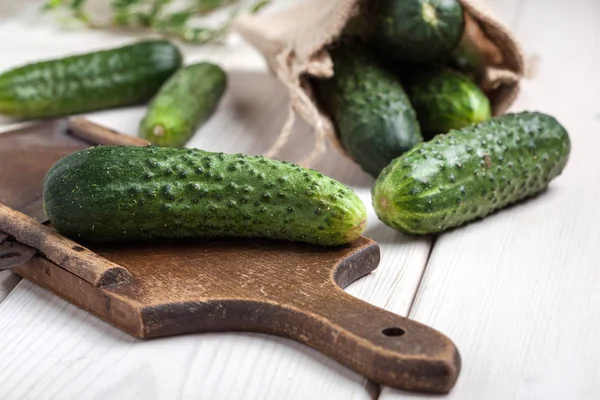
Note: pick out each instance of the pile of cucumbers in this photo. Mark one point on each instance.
(182, 97)
(394, 85)
(406, 103)
(407, 106)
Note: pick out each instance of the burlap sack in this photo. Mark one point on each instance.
(294, 42)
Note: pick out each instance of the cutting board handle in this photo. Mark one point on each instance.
(382, 346)
(64, 252)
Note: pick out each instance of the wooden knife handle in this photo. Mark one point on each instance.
(382, 346)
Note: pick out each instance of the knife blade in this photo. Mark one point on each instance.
(13, 253)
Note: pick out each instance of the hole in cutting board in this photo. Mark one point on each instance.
(393, 332)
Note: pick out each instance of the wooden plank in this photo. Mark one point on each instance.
(518, 292)
(71, 354)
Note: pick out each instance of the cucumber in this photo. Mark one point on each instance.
(88, 82)
(184, 102)
(445, 100)
(120, 193)
(419, 31)
(373, 116)
(469, 173)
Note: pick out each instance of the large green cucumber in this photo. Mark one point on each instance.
(469, 173)
(373, 116)
(420, 31)
(445, 100)
(88, 82)
(114, 193)
(184, 102)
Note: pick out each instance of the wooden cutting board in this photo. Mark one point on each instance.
(168, 288)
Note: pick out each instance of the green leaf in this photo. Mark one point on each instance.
(205, 6)
(156, 16)
(179, 18)
(259, 5)
(200, 35)
(125, 3)
(77, 4)
(52, 5)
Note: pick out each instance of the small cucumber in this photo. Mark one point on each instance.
(445, 100)
(373, 116)
(88, 82)
(118, 193)
(419, 31)
(184, 102)
(469, 173)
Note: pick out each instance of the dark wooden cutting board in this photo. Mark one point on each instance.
(168, 288)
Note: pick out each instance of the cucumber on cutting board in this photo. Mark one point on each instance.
(184, 102)
(445, 100)
(88, 82)
(117, 193)
(373, 116)
(419, 31)
(469, 173)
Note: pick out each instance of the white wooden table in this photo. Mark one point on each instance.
(519, 293)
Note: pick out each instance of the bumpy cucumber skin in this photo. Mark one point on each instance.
(445, 100)
(372, 113)
(120, 193)
(419, 31)
(184, 102)
(469, 173)
(88, 82)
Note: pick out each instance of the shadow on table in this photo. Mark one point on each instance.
(383, 234)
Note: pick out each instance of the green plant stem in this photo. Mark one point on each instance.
(152, 16)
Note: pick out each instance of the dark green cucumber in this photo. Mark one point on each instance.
(373, 116)
(445, 100)
(88, 82)
(118, 193)
(469, 173)
(419, 31)
(185, 101)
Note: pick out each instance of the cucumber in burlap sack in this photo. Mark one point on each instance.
(294, 43)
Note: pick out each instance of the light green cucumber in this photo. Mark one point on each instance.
(445, 100)
(185, 101)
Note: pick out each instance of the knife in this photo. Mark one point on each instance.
(13, 253)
